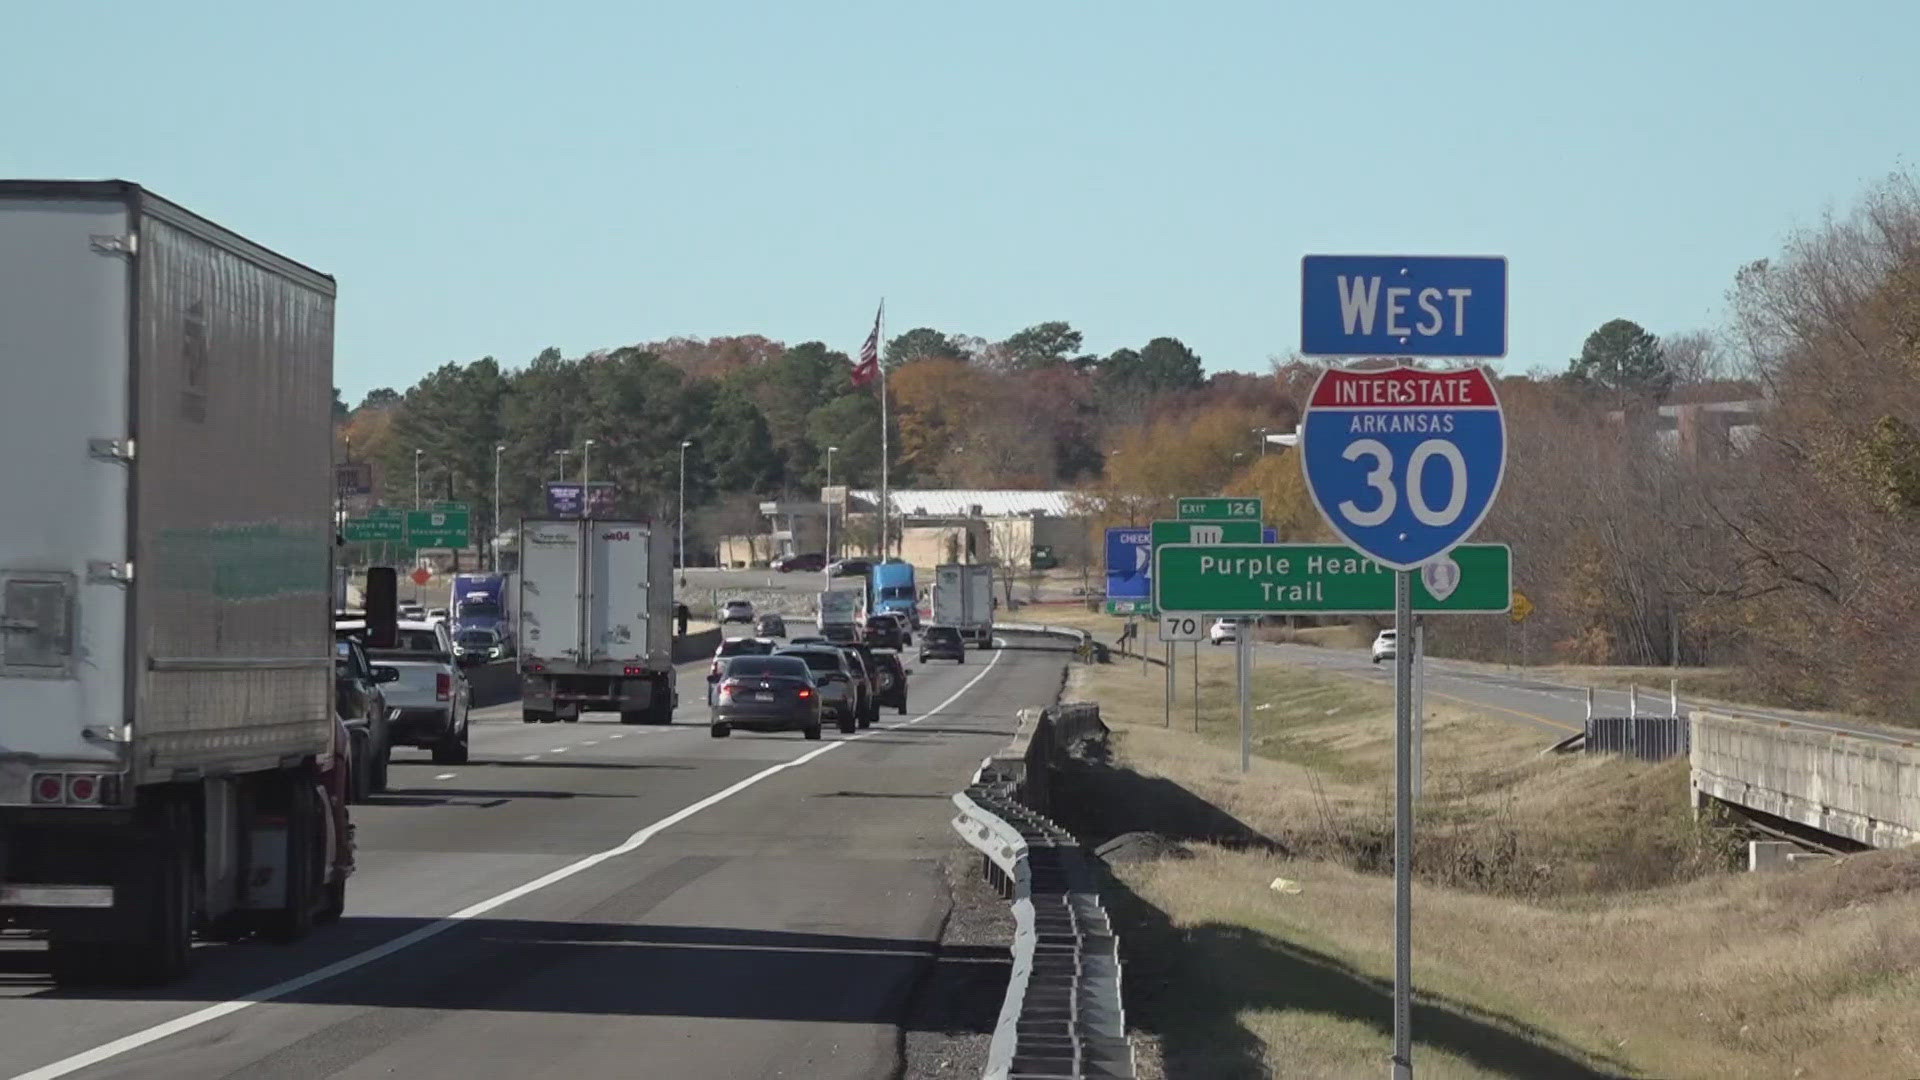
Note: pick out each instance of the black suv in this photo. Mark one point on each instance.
(890, 679)
(885, 632)
(942, 643)
(363, 707)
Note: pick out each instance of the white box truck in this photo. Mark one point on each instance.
(963, 598)
(841, 614)
(596, 621)
(167, 725)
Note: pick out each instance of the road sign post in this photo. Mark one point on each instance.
(1243, 678)
(1404, 464)
(1166, 718)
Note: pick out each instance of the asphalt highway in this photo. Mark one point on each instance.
(588, 900)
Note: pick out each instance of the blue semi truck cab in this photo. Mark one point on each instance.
(483, 602)
(890, 588)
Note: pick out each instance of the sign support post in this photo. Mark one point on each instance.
(1402, 826)
(1196, 688)
(1419, 706)
(1243, 657)
(1166, 719)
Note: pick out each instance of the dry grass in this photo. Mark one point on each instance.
(1570, 915)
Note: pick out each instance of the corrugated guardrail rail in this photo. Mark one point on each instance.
(1062, 1017)
(1649, 738)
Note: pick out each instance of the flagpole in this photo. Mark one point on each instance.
(880, 338)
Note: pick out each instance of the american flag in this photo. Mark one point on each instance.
(868, 368)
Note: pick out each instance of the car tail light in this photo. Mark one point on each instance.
(536, 667)
(49, 788)
(83, 788)
(805, 693)
(634, 669)
(727, 688)
(443, 686)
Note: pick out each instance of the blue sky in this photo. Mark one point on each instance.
(489, 179)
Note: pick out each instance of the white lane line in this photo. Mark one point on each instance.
(110, 1050)
(591, 742)
(530, 757)
(444, 776)
(558, 750)
(616, 736)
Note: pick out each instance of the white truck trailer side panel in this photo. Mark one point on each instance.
(64, 344)
(550, 592)
(631, 576)
(233, 501)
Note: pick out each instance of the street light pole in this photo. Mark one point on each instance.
(416, 478)
(829, 559)
(680, 560)
(493, 548)
(586, 479)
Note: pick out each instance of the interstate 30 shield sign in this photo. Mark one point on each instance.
(1403, 463)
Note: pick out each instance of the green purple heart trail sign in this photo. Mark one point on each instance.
(1236, 580)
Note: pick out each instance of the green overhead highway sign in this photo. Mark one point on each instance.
(1130, 607)
(387, 513)
(1219, 509)
(437, 528)
(442, 505)
(1324, 579)
(371, 529)
(1206, 532)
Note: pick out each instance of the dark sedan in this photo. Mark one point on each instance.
(766, 693)
(788, 564)
(770, 626)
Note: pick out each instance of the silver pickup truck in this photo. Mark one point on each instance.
(429, 704)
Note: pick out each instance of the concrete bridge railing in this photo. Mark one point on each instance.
(1866, 790)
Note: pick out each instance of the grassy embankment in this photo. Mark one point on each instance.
(1571, 917)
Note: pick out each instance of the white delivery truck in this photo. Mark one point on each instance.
(596, 621)
(963, 599)
(167, 712)
(841, 614)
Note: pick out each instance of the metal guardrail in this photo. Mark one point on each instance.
(1062, 1016)
(1648, 737)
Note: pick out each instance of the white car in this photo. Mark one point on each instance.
(1384, 646)
(1223, 631)
(737, 611)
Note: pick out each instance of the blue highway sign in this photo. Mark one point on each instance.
(1403, 305)
(1130, 563)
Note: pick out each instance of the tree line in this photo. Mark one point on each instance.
(759, 417)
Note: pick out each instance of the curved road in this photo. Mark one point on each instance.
(585, 900)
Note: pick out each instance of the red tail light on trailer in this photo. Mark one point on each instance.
(443, 686)
(634, 669)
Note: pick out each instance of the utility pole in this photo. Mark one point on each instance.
(416, 477)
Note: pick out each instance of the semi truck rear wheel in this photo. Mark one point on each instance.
(294, 919)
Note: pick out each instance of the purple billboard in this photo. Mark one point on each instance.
(564, 499)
